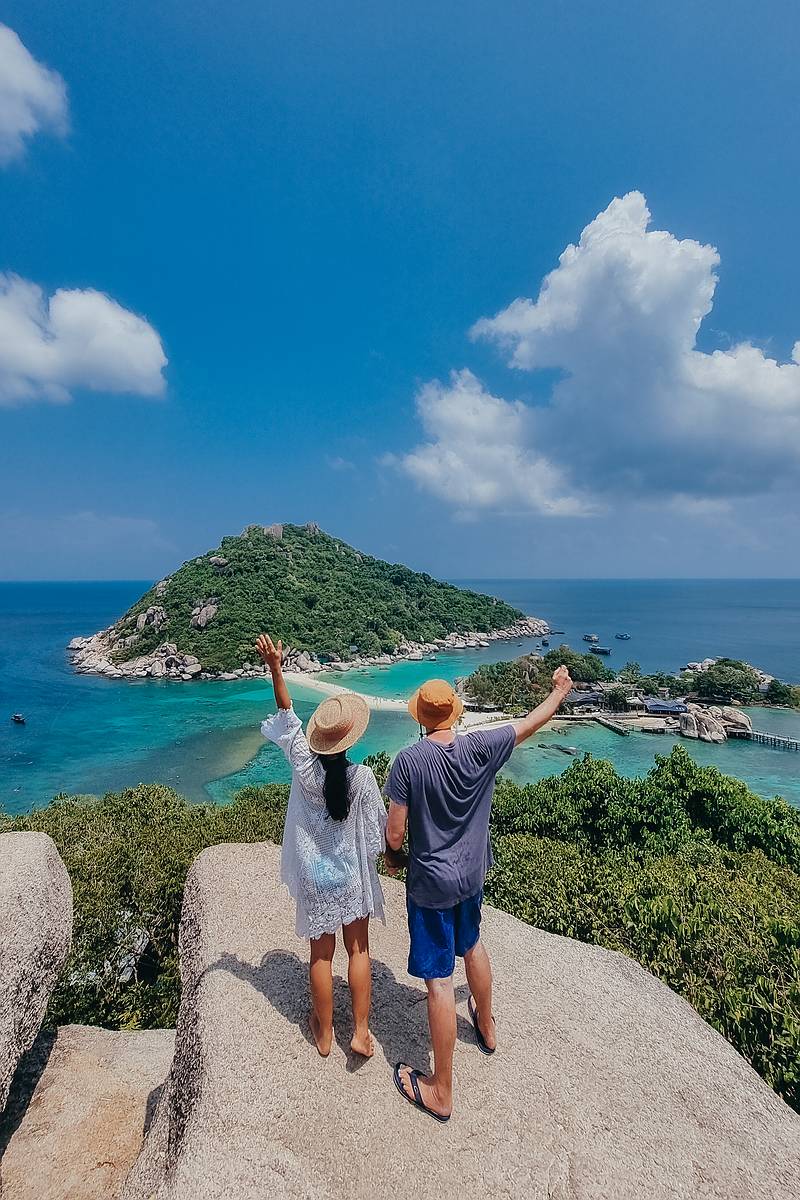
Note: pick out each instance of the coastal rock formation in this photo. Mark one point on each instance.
(606, 1085)
(92, 656)
(35, 937)
(714, 723)
(204, 612)
(155, 615)
(736, 718)
(74, 1121)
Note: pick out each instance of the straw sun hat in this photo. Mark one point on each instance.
(337, 723)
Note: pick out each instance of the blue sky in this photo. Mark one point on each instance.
(259, 261)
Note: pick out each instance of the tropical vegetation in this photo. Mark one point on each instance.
(312, 590)
(525, 681)
(685, 870)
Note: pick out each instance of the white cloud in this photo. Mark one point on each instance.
(32, 97)
(639, 411)
(76, 339)
(479, 455)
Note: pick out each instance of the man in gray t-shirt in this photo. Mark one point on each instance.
(441, 789)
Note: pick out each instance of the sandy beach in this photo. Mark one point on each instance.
(469, 720)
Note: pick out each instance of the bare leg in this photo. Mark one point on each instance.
(321, 978)
(437, 1089)
(479, 978)
(359, 977)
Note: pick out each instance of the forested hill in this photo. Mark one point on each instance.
(302, 585)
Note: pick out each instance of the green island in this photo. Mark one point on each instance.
(684, 870)
(522, 683)
(320, 595)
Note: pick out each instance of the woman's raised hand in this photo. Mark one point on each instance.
(269, 653)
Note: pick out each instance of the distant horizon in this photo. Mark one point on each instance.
(466, 579)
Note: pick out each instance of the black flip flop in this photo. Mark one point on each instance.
(416, 1100)
(473, 1012)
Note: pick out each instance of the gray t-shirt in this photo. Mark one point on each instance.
(448, 789)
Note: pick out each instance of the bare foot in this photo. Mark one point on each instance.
(363, 1044)
(322, 1039)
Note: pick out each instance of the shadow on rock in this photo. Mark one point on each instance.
(399, 1020)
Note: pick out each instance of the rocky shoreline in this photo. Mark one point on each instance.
(94, 655)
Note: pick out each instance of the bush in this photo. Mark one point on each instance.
(721, 929)
(127, 855)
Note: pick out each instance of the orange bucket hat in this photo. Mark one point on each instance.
(435, 705)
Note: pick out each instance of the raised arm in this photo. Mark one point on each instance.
(562, 686)
(272, 656)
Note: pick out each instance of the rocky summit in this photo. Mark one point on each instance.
(329, 603)
(605, 1084)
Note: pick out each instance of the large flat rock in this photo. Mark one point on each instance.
(78, 1110)
(606, 1084)
(35, 936)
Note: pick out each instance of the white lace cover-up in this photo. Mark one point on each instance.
(327, 865)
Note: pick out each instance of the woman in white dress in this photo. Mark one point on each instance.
(334, 832)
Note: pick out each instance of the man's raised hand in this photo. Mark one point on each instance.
(269, 653)
(561, 681)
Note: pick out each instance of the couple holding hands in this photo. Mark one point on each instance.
(439, 790)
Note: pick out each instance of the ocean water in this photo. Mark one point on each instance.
(89, 735)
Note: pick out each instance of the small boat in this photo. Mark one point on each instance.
(545, 642)
(591, 637)
(570, 750)
(431, 658)
(556, 630)
(18, 719)
(599, 650)
(622, 637)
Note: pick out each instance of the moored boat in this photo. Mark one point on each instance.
(18, 719)
(622, 637)
(591, 637)
(599, 650)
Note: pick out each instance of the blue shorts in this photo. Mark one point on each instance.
(439, 934)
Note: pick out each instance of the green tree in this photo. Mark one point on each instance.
(727, 680)
(779, 693)
(584, 668)
(617, 699)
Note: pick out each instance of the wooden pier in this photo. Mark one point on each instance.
(776, 740)
(614, 726)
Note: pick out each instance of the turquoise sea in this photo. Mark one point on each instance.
(90, 735)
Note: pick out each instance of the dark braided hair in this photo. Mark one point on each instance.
(335, 790)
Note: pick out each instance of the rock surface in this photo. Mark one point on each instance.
(95, 655)
(77, 1112)
(35, 937)
(606, 1084)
